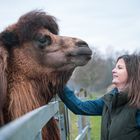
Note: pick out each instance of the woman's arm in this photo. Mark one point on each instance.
(90, 107)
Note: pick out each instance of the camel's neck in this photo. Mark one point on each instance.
(25, 94)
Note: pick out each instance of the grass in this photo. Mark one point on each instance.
(94, 124)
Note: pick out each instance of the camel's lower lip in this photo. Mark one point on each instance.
(80, 52)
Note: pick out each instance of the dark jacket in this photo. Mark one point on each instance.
(118, 119)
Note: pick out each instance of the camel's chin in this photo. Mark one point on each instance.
(81, 60)
(81, 63)
(75, 62)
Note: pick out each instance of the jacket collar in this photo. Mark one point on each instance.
(115, 98)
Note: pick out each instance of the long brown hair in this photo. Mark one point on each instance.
(132, 63)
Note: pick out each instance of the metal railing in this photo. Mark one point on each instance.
(83, 131)
(29, 126)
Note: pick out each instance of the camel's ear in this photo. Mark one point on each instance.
(9, 38)
(3, 75)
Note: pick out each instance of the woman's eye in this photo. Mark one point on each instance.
(119, 67)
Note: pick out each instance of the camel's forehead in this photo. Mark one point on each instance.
(44, 31)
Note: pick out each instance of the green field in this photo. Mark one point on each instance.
(94, 124)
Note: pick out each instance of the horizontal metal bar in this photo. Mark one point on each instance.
(83, 133)
(27, 126)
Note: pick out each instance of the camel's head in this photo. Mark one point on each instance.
(35, 46)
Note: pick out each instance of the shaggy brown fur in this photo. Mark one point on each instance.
(35, 64)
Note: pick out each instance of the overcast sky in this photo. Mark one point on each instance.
(106, 24)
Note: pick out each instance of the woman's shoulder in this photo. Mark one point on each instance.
(107, 98)
(111, 93)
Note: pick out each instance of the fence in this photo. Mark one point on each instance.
(28, 127)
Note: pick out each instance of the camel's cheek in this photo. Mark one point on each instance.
(55, 60)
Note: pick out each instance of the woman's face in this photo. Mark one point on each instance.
(120, 74)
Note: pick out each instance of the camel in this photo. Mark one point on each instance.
(35, 64)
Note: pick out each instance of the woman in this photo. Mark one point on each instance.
(120, 107)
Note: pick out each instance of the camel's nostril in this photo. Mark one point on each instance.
(81, 44)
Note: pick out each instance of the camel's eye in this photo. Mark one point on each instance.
(43, 40)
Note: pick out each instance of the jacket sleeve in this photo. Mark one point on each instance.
(90, 107)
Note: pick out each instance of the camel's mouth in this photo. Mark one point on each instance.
(79, 56)
(81, 51)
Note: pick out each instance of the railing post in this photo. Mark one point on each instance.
(62, 127)
(88, 123)
(80, 124)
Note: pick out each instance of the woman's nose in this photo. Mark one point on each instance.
(113, 70)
